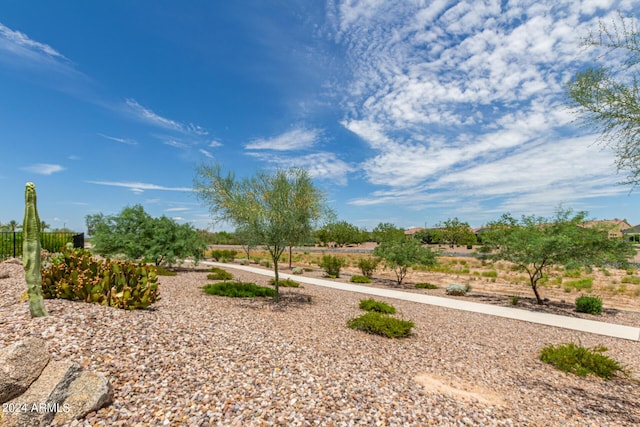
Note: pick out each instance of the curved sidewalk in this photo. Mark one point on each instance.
(574, 323)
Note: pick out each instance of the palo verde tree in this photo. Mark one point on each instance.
(277, 208)
(606, 96)
(536, 244)
(135, 234)
(454, 232)
(400, 253)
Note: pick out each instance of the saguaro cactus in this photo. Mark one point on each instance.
(31, 252)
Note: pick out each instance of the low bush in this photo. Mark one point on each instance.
(377, 306)
(285, 283)
(265, 263)
(581, 284)
(587, 304)
(218, 254)
(368, 265)
(491, 273)
(581, 361)
(359, 279)
(216, 273)
(297, 270)
(331, 265)
(239, 290)
(514, 299)
(457, 289)
(426, 286)
(75, 275)
(635, 280)
(380, 324)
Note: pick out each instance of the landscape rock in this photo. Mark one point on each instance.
(20, 365)
(87, 393)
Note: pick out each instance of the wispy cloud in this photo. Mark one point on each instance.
(43, 168)
(20, 44)
(323, 165)
(296, 139)
(139, 112)
(176, 209)
(139, 187)
(462, 104)
(120, 140)
(206, 153)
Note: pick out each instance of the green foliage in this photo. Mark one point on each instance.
(239, 290)
(163, 271)
(490, 273)
(399, 255)
(631, 279)
(588, 304)
(605, 95)
(135, 234)
(297, 270)
(377, 306)
(454, 232)
(385, 232)
(514, 299)
(278, 209)
(581, 284)
(379, 324)
(359, 279)
(368, 265)
(216, 273)
(285, 283)
(581, 361)
(265, 263)
(457, 289)
(426, 286)
(331, 265)
(341, 233)
(75, 275)
(218, 254)
(537, 244)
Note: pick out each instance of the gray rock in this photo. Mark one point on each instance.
(87, 393)
(21, 364)
(44, 398)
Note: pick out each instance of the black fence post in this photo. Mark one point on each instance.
(78, 240)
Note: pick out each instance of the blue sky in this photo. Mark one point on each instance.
(408, 112)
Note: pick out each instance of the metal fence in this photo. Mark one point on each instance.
(11, 242)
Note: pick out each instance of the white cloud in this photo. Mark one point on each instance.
(20, 44)
(296, 139)
(215, 144)
(139, 187)
(139, 112)
(206, 153)
(43, 168)
(323, 165)
(117, 139)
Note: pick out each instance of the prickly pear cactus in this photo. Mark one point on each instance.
(31, 252)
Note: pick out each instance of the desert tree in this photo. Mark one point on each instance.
(454, 232)
(398, 254)
(536, 244)
(277, 208)
(606, 95)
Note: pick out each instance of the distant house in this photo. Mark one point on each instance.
(412, 231)
(632, 234)
(616, 227)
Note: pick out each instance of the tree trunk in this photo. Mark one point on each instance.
(290, 252)
(277, 278)
(534, 286)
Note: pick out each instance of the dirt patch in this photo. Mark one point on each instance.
(458, 389)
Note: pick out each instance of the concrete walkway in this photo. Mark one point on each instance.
(574, 323)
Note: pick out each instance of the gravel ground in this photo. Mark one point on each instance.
(199, 360)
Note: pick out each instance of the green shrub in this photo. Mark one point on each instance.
(285, 283)
(239, 290)
(514, 299)
(426, 286)
(163, 271)
(265, 263)
(631, 279)
(457, 289)
(377, 306)
(491, 273)
(581, 361)
(360, 279)
(331, 265)
(574, 273)
(297, 270)
(368, 265)
(581, 284)
(587, 304)
(77, 276)
(219, 274)
(380, 324)
(219, 254)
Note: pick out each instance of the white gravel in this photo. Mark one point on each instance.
(200, 360)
